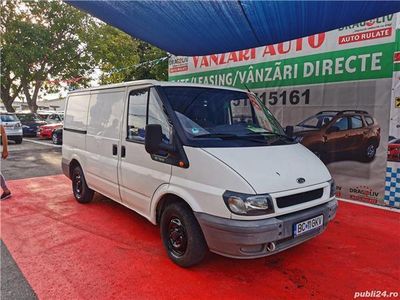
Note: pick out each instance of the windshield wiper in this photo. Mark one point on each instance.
(230, 136)
(217, 135)
(269, 132)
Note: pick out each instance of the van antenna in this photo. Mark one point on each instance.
(245, 85)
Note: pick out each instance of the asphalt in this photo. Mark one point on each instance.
(32, 158)
(13, 283)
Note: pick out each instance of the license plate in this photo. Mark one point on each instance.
(308, 225)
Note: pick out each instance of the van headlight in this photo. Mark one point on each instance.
(332, 188)
(248, 205)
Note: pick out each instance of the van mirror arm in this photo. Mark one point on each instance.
(167, 147)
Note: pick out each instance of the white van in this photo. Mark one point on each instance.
(211, 166)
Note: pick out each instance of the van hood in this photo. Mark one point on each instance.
(274, 169)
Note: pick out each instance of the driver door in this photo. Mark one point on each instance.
(139, 174)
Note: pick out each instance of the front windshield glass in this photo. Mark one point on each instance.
(55, 118)
(238, 118)
(28, 117)
(317, 121)
(9, 118)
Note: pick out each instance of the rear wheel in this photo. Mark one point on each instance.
(18, 140)
(82, 193)
(370, 151)
(182, 236)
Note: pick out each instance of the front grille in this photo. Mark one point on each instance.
(295, 199)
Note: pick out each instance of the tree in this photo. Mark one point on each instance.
(41, 42)
(121, 57)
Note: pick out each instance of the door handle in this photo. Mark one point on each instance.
(114, 149)
(123, 151)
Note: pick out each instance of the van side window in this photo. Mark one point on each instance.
(157, 115)
(138, 110)
(137, 115)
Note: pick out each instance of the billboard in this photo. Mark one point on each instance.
(334, 88)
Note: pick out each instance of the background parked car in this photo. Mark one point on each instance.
(54, 121)
(12, 126)
(30, 123)
(394, 150)
(337, 135)
(46, 131)
(56, 137)
(55, 117)
(43, 114)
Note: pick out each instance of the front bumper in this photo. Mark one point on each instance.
(13, 137)
(45, 134)
(249, 239)
(30, 131)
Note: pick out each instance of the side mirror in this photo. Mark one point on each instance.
(289, 131)
(332, 129)
(153, 140)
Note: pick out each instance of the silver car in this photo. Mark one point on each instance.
(12, 126)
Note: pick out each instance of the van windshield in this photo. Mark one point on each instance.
(219, 117)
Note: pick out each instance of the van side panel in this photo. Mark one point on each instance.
(103, 139)
(75, 126)
(75, 122)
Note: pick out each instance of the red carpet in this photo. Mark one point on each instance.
(105, 251)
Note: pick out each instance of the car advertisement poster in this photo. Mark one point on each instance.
(392, 179)
(334, 89)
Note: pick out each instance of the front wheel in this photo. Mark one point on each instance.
(82, 193)
(182, 236)
(54, 138)
(18, 140)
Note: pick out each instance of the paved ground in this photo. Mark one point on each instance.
(54, 248)
(13, 283)
(32, 158)
(103, 250)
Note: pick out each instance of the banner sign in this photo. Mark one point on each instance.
(333, 87)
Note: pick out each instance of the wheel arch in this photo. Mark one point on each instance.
(73, 163)
(166, 194)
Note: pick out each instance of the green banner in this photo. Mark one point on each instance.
(370, 62)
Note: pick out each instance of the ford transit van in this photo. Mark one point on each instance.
(210, 165)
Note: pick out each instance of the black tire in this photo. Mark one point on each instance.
(18, 140)
(370, 151)
(82, 193)
(182, 236)
(54, 138)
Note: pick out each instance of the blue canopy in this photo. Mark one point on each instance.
(205, 27)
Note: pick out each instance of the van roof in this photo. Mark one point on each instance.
(150, 82)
